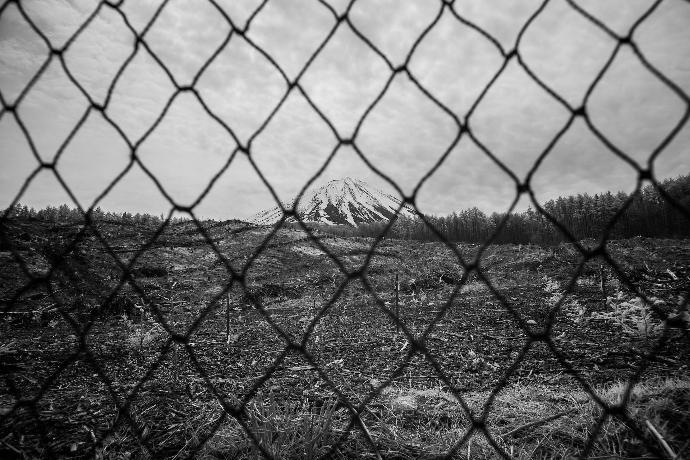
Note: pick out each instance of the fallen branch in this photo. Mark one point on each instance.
(307, 367)
(494, 337)
(660, 439)
(30, 312)
(537, 422)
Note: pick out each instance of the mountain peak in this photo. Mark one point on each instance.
(346, 201)
(346, 181)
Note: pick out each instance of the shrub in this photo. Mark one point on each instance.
(142, 334)
(285, 430)
(632, 315)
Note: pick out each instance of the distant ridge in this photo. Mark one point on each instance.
(343, 202)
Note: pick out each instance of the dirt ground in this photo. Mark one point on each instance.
(95, 363)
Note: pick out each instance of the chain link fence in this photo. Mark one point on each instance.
(237, 277)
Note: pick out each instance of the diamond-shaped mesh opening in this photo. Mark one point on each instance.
(109, 33)
(185, 43)
(34, 111)
(176, 335)
(637, 136)
(149, 96)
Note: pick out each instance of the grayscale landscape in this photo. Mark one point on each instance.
(315, 229)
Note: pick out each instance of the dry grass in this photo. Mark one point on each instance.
(519, 420)
(281, 430)
(525, 421)
(475, 343)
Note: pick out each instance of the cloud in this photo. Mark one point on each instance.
(51, 110)
(404, 135)
(186, 150)
(663, 38)
(633, 108)
(137, 102)
(22, 51)
(581, 163)
(239, 192)
(293, 147)
(619, 15)
(290, 32)
(242, 87)
(185, 35)
(392, 27)
(88, 169)
(59, 20)
(517, 119)
(18, 161)
(97, 54)
(455, 63)
(566, 51)
(467, 178)
(503, 20)
(345, 79)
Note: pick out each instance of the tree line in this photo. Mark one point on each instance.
(64, 214)
(648, 214)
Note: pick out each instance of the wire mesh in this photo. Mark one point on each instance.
(237, 277)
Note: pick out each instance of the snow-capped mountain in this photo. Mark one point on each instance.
(342, 201)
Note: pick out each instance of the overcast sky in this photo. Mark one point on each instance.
(404, 135)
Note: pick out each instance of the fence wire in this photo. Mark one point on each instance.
(237, 277)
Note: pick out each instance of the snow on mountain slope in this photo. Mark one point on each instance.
(343, 201)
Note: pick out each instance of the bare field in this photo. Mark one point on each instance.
(97, 364)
